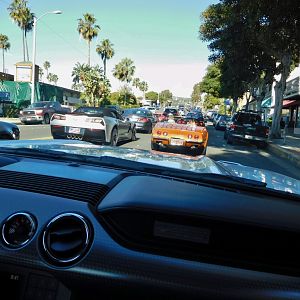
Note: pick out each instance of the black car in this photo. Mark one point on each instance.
(247, 126)
(9, 131)
(143, 118)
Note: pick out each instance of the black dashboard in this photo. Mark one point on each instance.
(77, 231)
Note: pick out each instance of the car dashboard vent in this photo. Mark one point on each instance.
(55, 186)
(66, 239)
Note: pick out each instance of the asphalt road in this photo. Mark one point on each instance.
(217, 149)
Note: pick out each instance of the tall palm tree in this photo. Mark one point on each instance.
(4, 45)
(47, 66)
(106, 51)
(143, 87)
(22, 16)
(124, 70)
(136, 82)
(88, 30)
(41, 74)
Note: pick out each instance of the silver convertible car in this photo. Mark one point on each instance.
(93, 124)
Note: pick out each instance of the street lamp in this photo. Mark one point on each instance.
(35, 19)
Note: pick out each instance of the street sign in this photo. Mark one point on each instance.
(5, 97)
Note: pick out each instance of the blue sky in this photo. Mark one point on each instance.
(160, 36)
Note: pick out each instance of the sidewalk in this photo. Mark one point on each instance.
(11, 120)
(290, 149)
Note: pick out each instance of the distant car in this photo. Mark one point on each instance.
(93, 124)
(215, 118)
(172, 111)
(9, 131)
(41, 112)
(192, 118)
(142, 118)
(222, 122)
(115, 107)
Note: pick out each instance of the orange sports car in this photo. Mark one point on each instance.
(190, 138)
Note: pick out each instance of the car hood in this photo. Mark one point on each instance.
(200, 164)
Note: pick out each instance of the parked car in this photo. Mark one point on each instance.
(142, 118)
(115, 107)
(221, 122)
(41, 112)
(247, 126)
(9, 131)
(215, 118)
(94, 124)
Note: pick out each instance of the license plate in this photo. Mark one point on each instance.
(30, 118)
(177, 142)
(248, 137)
(74, 130)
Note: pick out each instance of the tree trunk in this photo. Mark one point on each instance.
(26, 44)
(23, 40)
(104, 66)
(234, 107)
(279, 92)
(89, 54)
(3, 59)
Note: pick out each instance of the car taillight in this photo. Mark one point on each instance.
(267, 131)
(58, 117)
(165, 133)
(39, 112)
(21, 112)
(143, 120)
(190, 136)
(158, 132)
(233, 126)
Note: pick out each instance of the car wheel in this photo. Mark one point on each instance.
(225, 135)
(133, 134)
(46, 119)
(150, 128)
(114, 138)
(154, 146)
(261, 145)
(229, 140)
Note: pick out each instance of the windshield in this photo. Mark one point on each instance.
(39, 105)
(192, 82)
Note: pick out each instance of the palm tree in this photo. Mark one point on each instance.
(47, 66)
(136, 82)
(52, 78)
(41, 74)
(88, 30)
(124, 70)
(22, 16)
(143, 87)
(106, 51)
(4, 45)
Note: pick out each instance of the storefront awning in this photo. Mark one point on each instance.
(290, 103)
(266, 103)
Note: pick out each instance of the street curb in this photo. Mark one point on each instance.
(284, 153)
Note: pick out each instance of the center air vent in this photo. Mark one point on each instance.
(66, 239)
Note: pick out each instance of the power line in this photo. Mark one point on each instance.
(63, 38)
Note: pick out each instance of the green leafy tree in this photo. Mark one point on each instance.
(165, 96)
(96, 87)
(88, 30)
(136, 82)
(124, 70)
(52, 78)
(153, 96)
(4, 45)
(114, 97)
(106, 51)
(23, 17)
(126, 97)
(196, 94)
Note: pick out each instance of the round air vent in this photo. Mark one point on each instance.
(66, 238)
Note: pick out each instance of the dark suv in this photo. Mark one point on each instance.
(247, 126)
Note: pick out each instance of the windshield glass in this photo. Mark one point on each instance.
(192, 82)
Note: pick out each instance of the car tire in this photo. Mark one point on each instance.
(133, 134)
(229, 140)
(114, 138)
(150, 129)
(225, 135)
(46, 119)
(261, 145)
(154, 146)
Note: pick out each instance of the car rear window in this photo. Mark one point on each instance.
(244, 118)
